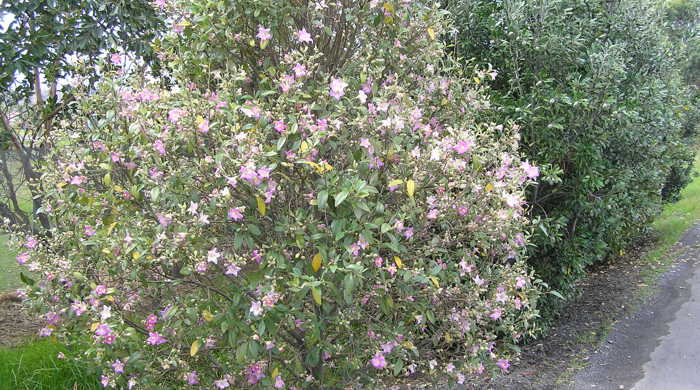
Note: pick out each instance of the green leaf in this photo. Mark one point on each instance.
(322, 199)
(340, 197)
(26, 279)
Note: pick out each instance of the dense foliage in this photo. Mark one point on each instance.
(316, 202)
(595, 86)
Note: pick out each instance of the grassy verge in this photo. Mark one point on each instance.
(36, 366)
(670, 226)
(9, 269)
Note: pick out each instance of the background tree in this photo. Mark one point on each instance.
(43, 46)
(597, 87)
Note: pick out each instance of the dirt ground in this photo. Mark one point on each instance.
(16, 324)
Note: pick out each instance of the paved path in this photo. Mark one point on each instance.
(657, 348)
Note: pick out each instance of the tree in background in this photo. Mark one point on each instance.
(44, 46)
(597, 88)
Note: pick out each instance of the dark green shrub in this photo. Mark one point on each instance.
(596, 86)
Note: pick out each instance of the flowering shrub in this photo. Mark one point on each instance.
(296, 221)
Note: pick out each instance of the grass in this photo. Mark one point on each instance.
(35, 366)
(9, 276)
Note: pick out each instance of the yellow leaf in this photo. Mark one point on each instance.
(195, 347)
(107, 179)
(316, 262)
(477, 80)
(489, 187)
(94, 326)
(206, 314)
(399, 263)
(316, 294)
(410, 187)
(261, 206)
(263, 44)
(135, 255)
(431, 33)
(304, 147)
(199, 119)
(275, 372)
(388, 7)
(394, 183)
(109, 298)
(111, 227)
(435, 281)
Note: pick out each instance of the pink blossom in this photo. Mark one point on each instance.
(235, 214)
(433, 214)
(154, 338)
(203, 126)
(221, 384)
(232, 269)
(175, 114)
(213, 256)
(496, 314)
(116, 59)
(378, 261)
(264, 34)
(303, 36)
(463, 146)
(378, 361)
(520, 282)
(100, 289)
(530, 170)
(256, 308)
(45, 332)
(504, 364)
(89, 230)
(22, 257)
(192, 378)
(280, 127)
(103, 330)
(286, 83)
(109, 339)
(462, 211)
(159, 147)
(299, 70)
(118, 367)
(164, 220)
(279, 383)
(337, 87)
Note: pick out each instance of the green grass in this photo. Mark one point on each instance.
(35, 366)
(670, 226)
(9, 268)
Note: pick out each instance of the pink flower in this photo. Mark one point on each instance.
(235, 214)
(45, 332)
(264, 34)
(159, 147)
(280, 127)
(164, 220)
(504, 364)
(22, 257)
(463, 146)
(378, 361)
(192, 378)
(213, 256)
(154, 338)
(232, 269)
(118, 367)
(100, 289)
(109, 339)
(530, 170)
(496, 314)
(221, 384)
(299, 70)
(520, 282)
(89, 230)
(175, 114)
(256, 308)
(378, 261)
(103, 330)
(433, 214)
(116, 59)
(203, 126)
(303, 36)
(279, 383)
(337, 88)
